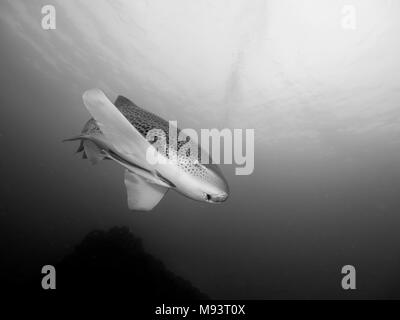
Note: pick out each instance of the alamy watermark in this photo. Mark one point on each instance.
(49, 18)
(210, 144)
(349, 17)
(349, 280)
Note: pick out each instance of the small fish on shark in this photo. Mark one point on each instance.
(118, 132)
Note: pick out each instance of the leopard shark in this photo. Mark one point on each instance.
(119, 131)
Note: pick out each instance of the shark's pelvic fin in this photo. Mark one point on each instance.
(142, 195)
(93, 152)
(118, 131)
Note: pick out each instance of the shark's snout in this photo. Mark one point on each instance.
(215, 198)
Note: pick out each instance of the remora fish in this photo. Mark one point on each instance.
(118, 132)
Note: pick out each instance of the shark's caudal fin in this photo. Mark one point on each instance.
(118, 131)
(142, 195)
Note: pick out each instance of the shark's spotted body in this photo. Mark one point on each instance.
(118, 132)
(145, 121)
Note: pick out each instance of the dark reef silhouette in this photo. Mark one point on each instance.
(113, 262)
(116, 260)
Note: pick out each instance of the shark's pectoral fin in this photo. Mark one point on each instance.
(142, 195)
(118, 131)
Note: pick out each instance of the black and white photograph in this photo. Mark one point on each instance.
(181, 151)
